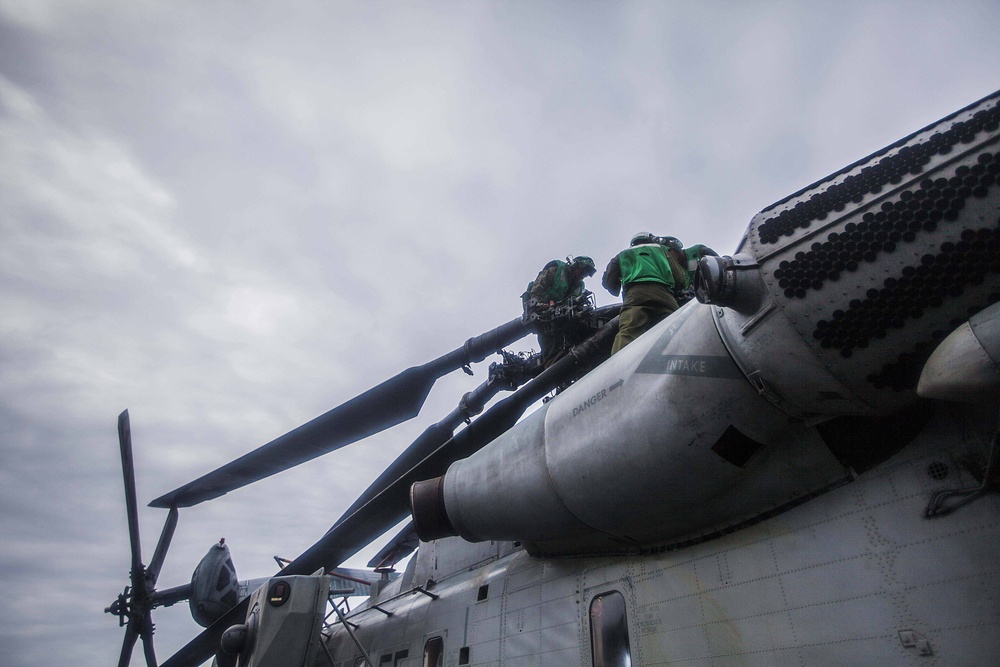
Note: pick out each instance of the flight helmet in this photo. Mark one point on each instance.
(585, 264)
(672, 242)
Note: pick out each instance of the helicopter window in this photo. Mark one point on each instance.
(434, 652)
(484, 592)
(463, 655)
(609, 631)
(385, 659)
(400, 656)
(223, 580)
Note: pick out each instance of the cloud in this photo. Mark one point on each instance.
(231, 218)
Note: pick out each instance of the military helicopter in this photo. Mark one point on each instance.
(799, 467)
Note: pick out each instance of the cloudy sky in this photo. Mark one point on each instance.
(229, 217)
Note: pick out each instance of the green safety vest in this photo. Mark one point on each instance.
(646, 263)
(693, 254)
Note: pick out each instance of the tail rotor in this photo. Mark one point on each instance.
(135, 604)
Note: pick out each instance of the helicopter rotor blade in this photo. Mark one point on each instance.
(131, 635)
(153, 571)
(131, 507)
(433, 437)
(147, 641)
(133, 607)
(206, 644)
(391, 504)
(352, 533)
(399, 547)
(385, 405)
(437, 434)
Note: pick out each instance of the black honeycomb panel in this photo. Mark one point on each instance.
(928, 285)
(896, 223)
(890, 170)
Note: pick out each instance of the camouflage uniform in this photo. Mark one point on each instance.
(555, 283)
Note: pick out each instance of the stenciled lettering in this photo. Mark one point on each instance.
(682, 365)
(691, 365)
(590, 402)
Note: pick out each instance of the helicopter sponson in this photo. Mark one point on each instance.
(796, 369)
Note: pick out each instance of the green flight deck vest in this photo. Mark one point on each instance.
(646, 263)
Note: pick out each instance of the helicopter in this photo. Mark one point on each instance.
(799, 466)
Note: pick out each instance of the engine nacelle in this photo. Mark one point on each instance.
(715, 418)
(665, 441)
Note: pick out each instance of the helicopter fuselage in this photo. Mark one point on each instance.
(856, 576)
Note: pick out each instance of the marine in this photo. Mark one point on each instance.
(653, 274)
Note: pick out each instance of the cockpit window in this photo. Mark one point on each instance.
(609, 631)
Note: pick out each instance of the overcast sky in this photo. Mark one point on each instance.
(229, 217)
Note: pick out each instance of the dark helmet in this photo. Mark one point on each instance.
(672, 242)
(585, 264)
(641, 238)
